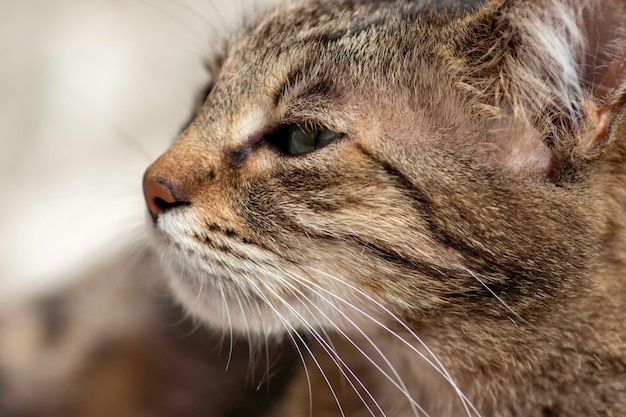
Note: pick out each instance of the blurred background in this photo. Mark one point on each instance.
(91, 91)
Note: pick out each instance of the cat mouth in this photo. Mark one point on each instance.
(232, 284)
(216, 255)
(218, 268)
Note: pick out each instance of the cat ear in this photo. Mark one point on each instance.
(605, 73)
(561, 69)
(583, 44)
(596, 33)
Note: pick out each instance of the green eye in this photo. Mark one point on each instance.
(301, 140)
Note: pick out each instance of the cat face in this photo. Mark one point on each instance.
(352, 160)
(268, 234)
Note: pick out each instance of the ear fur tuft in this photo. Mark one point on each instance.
(555, 66)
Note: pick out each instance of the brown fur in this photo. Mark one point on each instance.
(474, 193)
(462, 241)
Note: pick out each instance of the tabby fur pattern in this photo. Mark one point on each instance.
(470, 218)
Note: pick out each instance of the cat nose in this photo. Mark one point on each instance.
(160, 196)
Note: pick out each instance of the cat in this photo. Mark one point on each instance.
(386, 208)
(432, 191)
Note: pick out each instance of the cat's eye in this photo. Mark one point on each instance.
(299, 140)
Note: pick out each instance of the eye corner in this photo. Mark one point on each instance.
(277, 138)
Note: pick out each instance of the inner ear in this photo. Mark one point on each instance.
(602, 64)
(612, 100)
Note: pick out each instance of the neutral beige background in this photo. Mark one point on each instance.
(90, 92)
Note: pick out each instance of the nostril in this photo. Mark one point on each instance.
(160, 197)
(166, 205)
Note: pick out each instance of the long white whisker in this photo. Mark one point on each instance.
(397, 382)
(520, 318)
(230, 324)
(200, 290)
(440, 368)
(253, 351)
(295, 343)
(263, 331)
(337, 360)
(247, 326)
(198, 37)
(289, 326)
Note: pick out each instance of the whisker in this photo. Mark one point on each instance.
(178, 277)
(440, 368)
(247, 327)
(203, 18)
(197, 36)
(308, 349)
(506, 306)
(197, 323)
(230, 324)
(258, 346)
(220, 18)
(296, 345)
(333, 355)
(397, 382)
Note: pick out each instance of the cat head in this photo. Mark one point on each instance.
(355, 159)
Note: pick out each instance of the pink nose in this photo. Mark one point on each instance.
(159, 197)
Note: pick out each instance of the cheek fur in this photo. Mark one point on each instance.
(249, 289)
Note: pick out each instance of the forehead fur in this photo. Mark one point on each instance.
(362, 36)
(510, 67)
(383, 56)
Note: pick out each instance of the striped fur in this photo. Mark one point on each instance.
(458, 251)
(472, 209)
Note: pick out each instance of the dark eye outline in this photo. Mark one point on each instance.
(296, 140)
